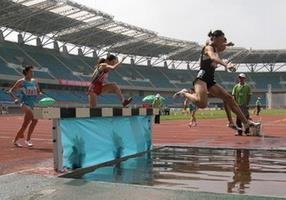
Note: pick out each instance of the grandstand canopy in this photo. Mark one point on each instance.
(42, 17)
(151, 46)
(102, 33)
(72, 23)
(264, 56)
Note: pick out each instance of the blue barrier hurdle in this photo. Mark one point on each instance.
(84, 137)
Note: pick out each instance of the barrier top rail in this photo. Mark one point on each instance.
(59, 113)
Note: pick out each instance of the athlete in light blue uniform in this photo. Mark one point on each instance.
(29, 92)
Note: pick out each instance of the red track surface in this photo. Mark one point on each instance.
(208, 133)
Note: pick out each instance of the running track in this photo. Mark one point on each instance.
(209, 133)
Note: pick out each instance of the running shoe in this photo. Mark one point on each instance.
(239, 133)
(127, 101)
(254, 124)
(232, 126)
(251, 124)
(247, 132)
(29, 143)
(17, 144)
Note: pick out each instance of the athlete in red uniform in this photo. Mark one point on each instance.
(98, 83)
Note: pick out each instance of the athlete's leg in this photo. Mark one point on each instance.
(200, 96)
(31, 128)
(113, 88)
(228, 114)
(27, 119)
(221, 93)
(92, 99)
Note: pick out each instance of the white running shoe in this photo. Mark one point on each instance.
(29, 143)
(17, 144)
(251, 124)
(180, 93)
(254, 124)
(233, 126)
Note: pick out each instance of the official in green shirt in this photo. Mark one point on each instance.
(242, 94)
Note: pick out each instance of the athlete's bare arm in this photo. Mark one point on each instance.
(209, 50)
(16, 86)
(105, 66)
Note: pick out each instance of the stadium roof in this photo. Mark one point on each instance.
(102, 33)
(72, 23)
(264, 56)
(153, 46)
(42, 17)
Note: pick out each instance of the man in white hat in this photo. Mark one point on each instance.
(242, 94)
(157, 103)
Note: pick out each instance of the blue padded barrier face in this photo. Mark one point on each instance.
(91, 141)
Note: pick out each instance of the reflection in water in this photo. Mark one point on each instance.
(211, 170)
(242, 174)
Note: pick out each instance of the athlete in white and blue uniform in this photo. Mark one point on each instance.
(29, 92)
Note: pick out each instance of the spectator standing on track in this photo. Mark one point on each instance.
(258, 106)
(157, 103)
(242, 94)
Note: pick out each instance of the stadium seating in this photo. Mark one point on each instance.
(12, 53)
(262, 79)
(4, 97)
(115, 77)
(158, 79)
(74, 63)
(63, 95)
(80, 68)
(129, 73)
(47, 60)
(5, 70)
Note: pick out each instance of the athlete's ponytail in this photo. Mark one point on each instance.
(210, 34)
(217, 33)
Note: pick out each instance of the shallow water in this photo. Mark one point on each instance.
(250, 172)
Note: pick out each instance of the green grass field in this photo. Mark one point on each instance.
(217, 114)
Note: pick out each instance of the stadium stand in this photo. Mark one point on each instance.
(100, 35)
(72, 67)
(158, 79)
